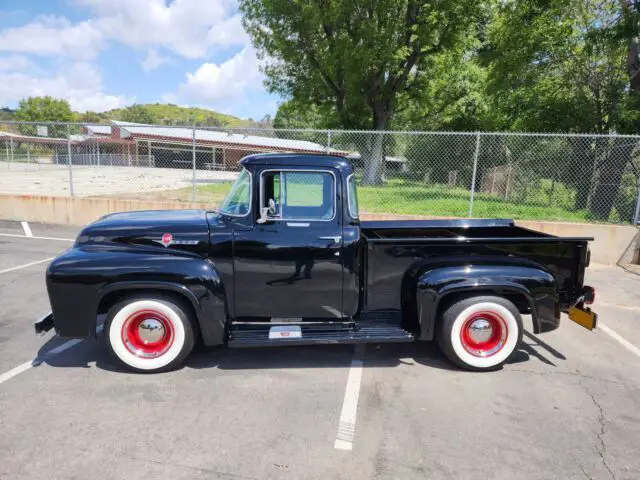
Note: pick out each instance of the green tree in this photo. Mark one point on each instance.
(90, 117)
(293, 114)
(43, 109)
(450, 95)
(357, 57)
(555, 66)
(137, 114)
(212, 121)
(6, 113)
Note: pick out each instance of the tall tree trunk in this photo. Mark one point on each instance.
(373, 157)
(581, 167)
(373, 151)
(611, 170)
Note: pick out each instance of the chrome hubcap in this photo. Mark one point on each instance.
(151, 330)
(480, 330)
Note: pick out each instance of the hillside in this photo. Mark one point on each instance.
(162, 113)
(170, 114)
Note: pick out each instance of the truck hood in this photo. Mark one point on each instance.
(185, 230)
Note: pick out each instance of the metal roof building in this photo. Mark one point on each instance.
(173, 147)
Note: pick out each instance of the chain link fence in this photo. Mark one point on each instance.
(582, 178)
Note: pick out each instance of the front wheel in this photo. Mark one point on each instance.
(480, 333)
(149, 334)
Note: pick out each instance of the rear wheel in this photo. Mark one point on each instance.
(149, 334)
(480, 333)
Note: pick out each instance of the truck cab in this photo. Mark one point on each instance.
(295, 232)
(286, 260)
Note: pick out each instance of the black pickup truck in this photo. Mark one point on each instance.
(286, 260)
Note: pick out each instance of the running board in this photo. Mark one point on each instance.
(259, 336)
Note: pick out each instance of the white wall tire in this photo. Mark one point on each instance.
(138, 353)
(480, 333)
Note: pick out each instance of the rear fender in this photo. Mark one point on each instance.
(436, 287)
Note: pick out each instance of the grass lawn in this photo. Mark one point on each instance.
(415, 198)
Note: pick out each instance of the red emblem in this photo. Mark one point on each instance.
(167, 239)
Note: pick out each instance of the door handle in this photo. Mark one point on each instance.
(335, 238)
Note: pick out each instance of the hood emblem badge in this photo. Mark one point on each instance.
(167, 240)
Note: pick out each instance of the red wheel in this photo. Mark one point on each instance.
(149, 334)
(480, 333)
(483, 334)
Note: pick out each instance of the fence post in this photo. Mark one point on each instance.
(475, 171)
(328, 141)
(69, 160)
(11, 149)
(193, 149)
(636, 216)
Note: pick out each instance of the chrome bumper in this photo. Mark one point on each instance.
(43, 325)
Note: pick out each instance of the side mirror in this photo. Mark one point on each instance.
(264, 213)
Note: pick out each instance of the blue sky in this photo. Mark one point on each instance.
(106, 54)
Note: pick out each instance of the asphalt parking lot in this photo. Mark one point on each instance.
(567, 405)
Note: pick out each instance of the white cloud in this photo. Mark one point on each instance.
(15, 62)
(181, 26)
(189, 28)
(153, 60)
(228, 32)
(213, 84)
(159, 30)
(80, 83)
(51, 35)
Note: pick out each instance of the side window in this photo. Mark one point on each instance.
(297, 195)
(352, 196)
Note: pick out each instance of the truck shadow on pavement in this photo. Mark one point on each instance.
(93, 352)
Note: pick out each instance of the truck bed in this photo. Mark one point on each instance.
(394, 247)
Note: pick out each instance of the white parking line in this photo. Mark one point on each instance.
(38, 238)
(7, 270)
(16, 371)
(620, 339)
(347, 425)
(37, 361)
(27, 229)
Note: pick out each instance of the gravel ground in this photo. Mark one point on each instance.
(99, 181)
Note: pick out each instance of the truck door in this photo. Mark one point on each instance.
(290, 266)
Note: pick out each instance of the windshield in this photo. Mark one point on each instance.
(238, 201)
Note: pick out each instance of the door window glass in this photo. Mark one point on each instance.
(291, 195)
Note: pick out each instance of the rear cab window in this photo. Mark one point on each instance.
(352, 196)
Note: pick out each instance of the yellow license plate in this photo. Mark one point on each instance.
(584, 318)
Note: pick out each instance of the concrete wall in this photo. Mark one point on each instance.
(611, 241)
(609, 244)
(76, 210)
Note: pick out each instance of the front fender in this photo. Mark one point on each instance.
(434, 286)
(81, 278)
